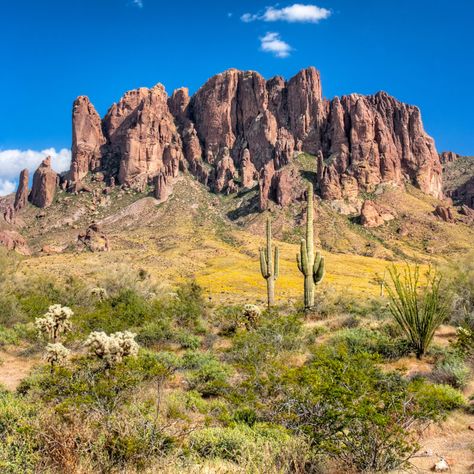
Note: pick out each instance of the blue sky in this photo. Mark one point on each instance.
(421, 51)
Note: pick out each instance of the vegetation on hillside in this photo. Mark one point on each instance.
(167, 381)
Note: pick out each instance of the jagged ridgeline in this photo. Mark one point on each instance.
(239, 130)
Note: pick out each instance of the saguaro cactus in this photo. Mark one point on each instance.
(269, 265)
(311, 266)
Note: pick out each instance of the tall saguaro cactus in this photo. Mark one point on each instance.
(311, 266)
(269, 265)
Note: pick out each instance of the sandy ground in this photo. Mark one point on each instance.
(14, 368)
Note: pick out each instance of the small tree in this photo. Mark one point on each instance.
(418, 310)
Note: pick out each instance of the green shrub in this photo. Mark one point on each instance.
(210, 379)
(275, 335)
(196, 359)
(187, 341)
(224, 443)
(19, 450)
(189, 307)
(155, 332)
(465, 339)
(452, 370)
(85, 386)
(239, 442)
(228, 319)
(436, 399)
(351, 410)
(372, 342)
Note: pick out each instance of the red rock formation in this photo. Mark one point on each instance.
(87, 139)
(445, 213)
(225, 172)
(142, 136)
(12, 240)
(448, 157)
(360, 141)
(249, 172)
(9, 215)
(162, 187)
(21, 196)
(371, 215)
(94, 239)
(45, 181)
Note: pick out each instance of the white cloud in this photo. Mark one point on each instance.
(6, 187)
(296, 13)
(13, 161)
(272, 43)
(138, 3)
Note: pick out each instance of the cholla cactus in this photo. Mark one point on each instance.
(251, 315)
(112, 349)
(99, 293)
(55, 322)
(56, 354)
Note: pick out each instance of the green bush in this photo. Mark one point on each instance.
(452, 370)
(239, 442)
(351, 410)
(85, 386)
(189, 307)
(19, 450)
(155, 332)
(275, 335)
(372, 342)
(210, 379)
(436, 399)
(224, 443)
(186, 340)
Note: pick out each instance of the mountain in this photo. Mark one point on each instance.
(238, 129)
(176, 185)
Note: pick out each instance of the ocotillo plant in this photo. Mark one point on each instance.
(311, 266)
(269, 265)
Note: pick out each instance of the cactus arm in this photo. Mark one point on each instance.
(318, 269)
(276, 269)
(298, 261)
(304, 257)
(263, 264)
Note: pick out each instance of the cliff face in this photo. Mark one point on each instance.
(239, 129)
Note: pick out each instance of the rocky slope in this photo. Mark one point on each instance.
(239, 129)
(458, 172)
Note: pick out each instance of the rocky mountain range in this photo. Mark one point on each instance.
(239, 130)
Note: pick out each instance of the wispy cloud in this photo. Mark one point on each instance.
(296, 13)
(13, 161)
(6, 187)
(272, 43)
(138, 3)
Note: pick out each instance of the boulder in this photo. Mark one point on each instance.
(441, 466)
(445, 213)
(94, 239)
(373, 215)
(12, 240)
